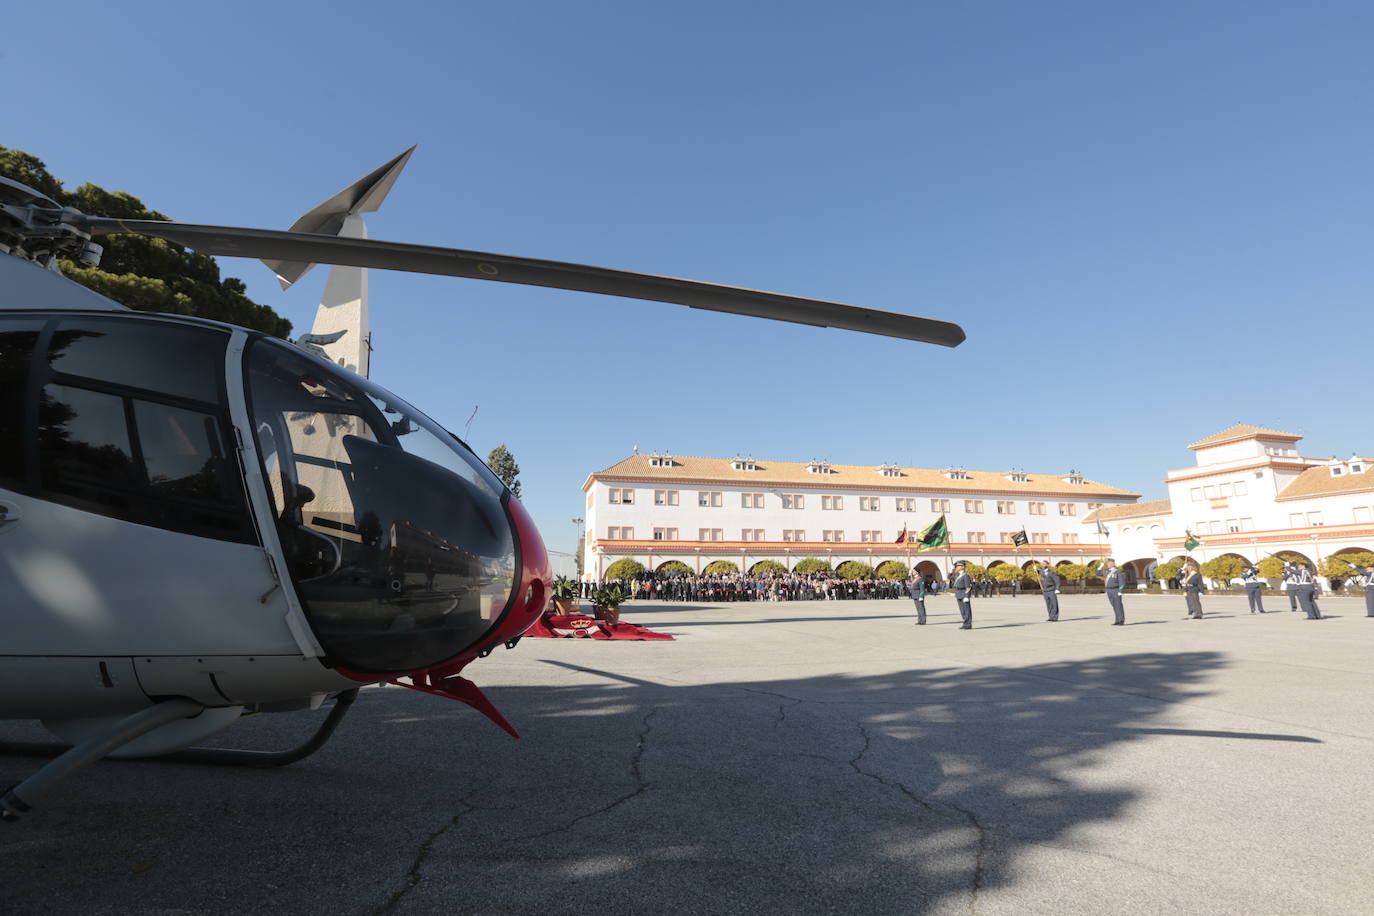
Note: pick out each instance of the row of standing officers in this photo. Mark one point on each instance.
(1297, 579)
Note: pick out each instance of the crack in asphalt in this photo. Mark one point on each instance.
(641, 786)
(944, 809)
(412, 875)
(782, 710)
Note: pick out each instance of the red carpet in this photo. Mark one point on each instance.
(574, 626)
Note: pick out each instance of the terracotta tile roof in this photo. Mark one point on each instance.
(1241, 431)
(1137, 510)
(1318, 481)
(772, 473)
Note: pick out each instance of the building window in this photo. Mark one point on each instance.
(1035, 508)
(1224, 490)
(751, 500)
(1240, 488)
(1006, 507)
(1068, 509)
(751, 534)
(870, 536)
(1092, 506)
(618, 497)
(660, 461)
(905, 503)
(709, 498)
(868, 504)
(834, 537)
(1362, 514)
(1336, 470)
(1006, 536)
(1315, 518)
(744, 464)
(1357, 469)
(1070, 539)
(710, 534)
(665, 534)
(620, 534)
(1209, 492)
(1040, 537)
(793, 535)
(832, 502)
(977, 537)
(793, 501)
(888, 470)
(974, 506)
(1297, 520)
(1233, 525)
(665, 497)
(1247, 524)
(939, 505)
(1196, 494)
(957, 474)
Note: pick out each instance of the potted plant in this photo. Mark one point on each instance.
(606, 602)
(565, 597)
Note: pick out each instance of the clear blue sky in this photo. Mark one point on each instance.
(1153, 220)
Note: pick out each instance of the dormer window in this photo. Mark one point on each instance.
(1017, 476)
(957, 474)
(1357, 469)
(817, 467)
(890, 470)
(1337, 470)
(743, 464)
(661, 461)
(1074, 478)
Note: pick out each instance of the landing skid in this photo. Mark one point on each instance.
(20, 798)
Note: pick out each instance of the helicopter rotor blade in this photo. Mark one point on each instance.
(271, 244)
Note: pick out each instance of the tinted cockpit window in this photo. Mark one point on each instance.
(177, 360)
(125, 418)
(18, 336)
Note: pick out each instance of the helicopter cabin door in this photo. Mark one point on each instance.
(126, 529)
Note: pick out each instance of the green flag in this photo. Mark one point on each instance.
(1190, 541)
(936, 535)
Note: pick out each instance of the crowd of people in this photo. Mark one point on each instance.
(791, 587)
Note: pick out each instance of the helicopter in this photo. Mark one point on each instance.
(200, 522)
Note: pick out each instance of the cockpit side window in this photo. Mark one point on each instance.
(125, 417)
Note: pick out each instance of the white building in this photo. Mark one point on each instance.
(1250, 494)
(658, 508)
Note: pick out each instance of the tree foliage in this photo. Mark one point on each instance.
(893, 569)
(1270, 567)
(812, 566)
(720, 568)
(150, 275)
(768, 568)
(1168, 570)
(1223, 568)
(1005, 572)
(502, 464)
(1073, 572)
(624, 568)
(674, 568)
(854, 569)
(1339, 566)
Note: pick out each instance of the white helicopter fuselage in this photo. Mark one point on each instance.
(149, 549)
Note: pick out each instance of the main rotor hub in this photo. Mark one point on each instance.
(37, 228)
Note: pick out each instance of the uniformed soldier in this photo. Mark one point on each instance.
(918, 595)
(1290, 573)
(962, 584)
(1049, 590)
(1367, 580)
(1114, 578)
(1305, 587)
(1249, 574)
(1193, 587)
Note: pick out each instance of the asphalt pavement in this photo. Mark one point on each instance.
(809, 757)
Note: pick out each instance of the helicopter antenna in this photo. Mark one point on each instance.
(468, 425)
(343, 306)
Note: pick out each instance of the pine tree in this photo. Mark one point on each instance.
(503, 465)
